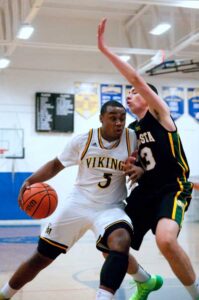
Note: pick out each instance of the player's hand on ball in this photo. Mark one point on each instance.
(39, 200)
(25, 185)
(130, 161)
(133, 171)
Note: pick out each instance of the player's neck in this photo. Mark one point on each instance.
(106, 137)
(141, 114)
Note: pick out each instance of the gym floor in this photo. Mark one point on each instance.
(76, 274)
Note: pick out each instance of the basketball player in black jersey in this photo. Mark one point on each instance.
(164, 192)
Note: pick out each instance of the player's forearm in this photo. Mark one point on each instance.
(124, 68)
(46, 172)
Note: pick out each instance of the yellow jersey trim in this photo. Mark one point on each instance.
(87, 143)
(171, 143)
(101, 143)
(175, 205)
(128, 142)
(176, 200)
(54, 244)
(184, 166)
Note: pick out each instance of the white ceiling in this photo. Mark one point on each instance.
(66, 30)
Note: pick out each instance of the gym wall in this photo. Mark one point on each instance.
(17, 110)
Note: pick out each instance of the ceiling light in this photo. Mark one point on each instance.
(25, 32)
(125, 57)
(4, 63)
(189, 4)
(160, 29)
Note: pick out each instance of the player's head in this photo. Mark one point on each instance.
(112, 117)
(153, 88)
(136, 102)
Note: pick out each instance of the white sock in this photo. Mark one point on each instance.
(193, 290)
(141, 275)
(7, 291)
(103, 295)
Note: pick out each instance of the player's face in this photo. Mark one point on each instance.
(135, 102)
(113, 122)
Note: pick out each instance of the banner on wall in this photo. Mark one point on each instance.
(174, 97)
(110, 92)
(86, 99)
(193, 102)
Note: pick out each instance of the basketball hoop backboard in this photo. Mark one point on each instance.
(2, 152)
(11, 143)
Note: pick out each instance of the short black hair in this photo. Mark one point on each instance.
(110, 103)
(153, 88)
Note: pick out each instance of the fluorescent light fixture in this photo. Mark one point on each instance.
(189, 4)
(4, 63)
(125, 57)
(160, 29)
(25, 32)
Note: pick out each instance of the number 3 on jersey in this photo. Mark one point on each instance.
(108, 178)
(147, 156)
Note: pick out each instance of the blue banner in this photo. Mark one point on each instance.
(193, 102)
(174, 97)
(110, 92)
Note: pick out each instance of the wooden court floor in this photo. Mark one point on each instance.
(75, 276)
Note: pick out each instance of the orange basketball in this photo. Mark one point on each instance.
(39, 200)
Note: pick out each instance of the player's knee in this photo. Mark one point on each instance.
(166, 243)
(119, 240)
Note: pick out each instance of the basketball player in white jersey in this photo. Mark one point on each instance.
(95, 203)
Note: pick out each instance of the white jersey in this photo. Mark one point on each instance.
(100, 178)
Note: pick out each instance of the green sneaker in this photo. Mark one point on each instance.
(144, 289)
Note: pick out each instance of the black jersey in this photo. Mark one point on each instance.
(160, 153)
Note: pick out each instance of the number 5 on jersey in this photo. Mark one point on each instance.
(108, 178)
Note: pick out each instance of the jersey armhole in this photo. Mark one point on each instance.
(87, 143)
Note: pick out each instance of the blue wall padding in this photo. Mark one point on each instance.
(10, 184)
